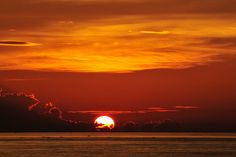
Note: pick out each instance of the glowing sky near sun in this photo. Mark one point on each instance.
(114, 36)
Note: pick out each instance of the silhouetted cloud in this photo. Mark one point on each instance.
(16, 43)
(162, 125)
(22, 112)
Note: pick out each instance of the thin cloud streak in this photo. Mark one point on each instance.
(156, 32)
(148, 110)
(186, 107)
(23, 79)
(16, 43)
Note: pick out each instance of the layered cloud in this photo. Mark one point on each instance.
(114, 36)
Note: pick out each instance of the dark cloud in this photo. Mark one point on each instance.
(170, 125)
(13, 42)
(162, 125)
(21, 112)
(16, 43)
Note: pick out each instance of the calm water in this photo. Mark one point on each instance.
(117, 145)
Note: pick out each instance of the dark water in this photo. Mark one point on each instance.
(117, 145)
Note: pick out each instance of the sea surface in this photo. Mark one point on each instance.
(113, 144)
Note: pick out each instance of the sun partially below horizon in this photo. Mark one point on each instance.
(104, 122)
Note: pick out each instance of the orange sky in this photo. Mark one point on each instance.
(120, 36)
(121, 56)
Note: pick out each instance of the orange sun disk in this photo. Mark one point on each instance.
(104, 122)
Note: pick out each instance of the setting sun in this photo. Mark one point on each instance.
(104, 122)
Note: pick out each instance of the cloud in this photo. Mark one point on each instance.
(223, 42)
(186, 107)
(144, 111)
(23, 79)
(127, 35)
(156, 32)
(162, 125)
(101, 112)
(148, 110)
(162, 109)
(16, 43)
(28, 14)
(30, 103)
(22, 112)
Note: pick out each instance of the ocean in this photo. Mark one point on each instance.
(115, 144)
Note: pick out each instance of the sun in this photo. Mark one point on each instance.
(104, 123)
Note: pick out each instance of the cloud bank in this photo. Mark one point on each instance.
(22, 112)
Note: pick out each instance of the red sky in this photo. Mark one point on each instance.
(204, 93)
(147, 60)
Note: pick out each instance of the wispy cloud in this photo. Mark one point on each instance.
(16, 43)
(220, 42)
(23, 79)
(161, 109)
(156, 32)
(148, 110)
(186, 107)
(144, 111)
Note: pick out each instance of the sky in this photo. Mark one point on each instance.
(137, 60)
